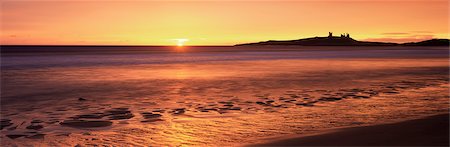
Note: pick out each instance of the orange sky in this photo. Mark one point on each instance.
(217, 22)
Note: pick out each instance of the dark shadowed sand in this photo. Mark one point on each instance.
(430, 131)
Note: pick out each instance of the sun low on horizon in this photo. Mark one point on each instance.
(180, 42)
(188, 23)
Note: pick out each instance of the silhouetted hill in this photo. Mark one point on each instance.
(342, 41)
(322, 41)
(432, 42)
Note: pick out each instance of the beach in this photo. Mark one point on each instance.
(429, 131)
(224, 96)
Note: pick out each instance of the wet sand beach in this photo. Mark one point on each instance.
(215, 98)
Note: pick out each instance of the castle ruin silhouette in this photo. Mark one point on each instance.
(345, 35)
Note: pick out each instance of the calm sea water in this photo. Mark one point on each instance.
(39, 57)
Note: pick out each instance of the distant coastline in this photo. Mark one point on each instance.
(343, 40)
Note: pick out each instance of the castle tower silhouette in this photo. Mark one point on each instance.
(345, 35)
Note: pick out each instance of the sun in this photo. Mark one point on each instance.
(181, 41)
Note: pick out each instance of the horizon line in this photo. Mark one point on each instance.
(141, 45)
(112, 45)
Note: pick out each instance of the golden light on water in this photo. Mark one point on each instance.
(207, 85)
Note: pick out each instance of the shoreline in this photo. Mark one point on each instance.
(427, 131)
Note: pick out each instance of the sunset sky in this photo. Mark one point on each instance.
(217, 22)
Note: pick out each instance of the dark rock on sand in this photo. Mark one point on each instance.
(119, 113)
(347, 95)
(81, 99)
(52, 121)
(261, 103)
(86, 123)
(149, 115)
(294, 96)
(330, 99)
(179, 111)
(207, 109)
(270, 101)
(290, 101)
(390, 92)
(228, 105)
(93, 116)
(361, 96)
(36, 136)
(227, 102)
(235, 108)
(32, 132)
(159, 110)
(121, 116)
(5, 123)
(14, 136)
(36, 121)
(118, 110)
(203, 110)
(305, 104)
(371, 92)
(276, 105)
(87, 133)
(356, 90)
(35, 127)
